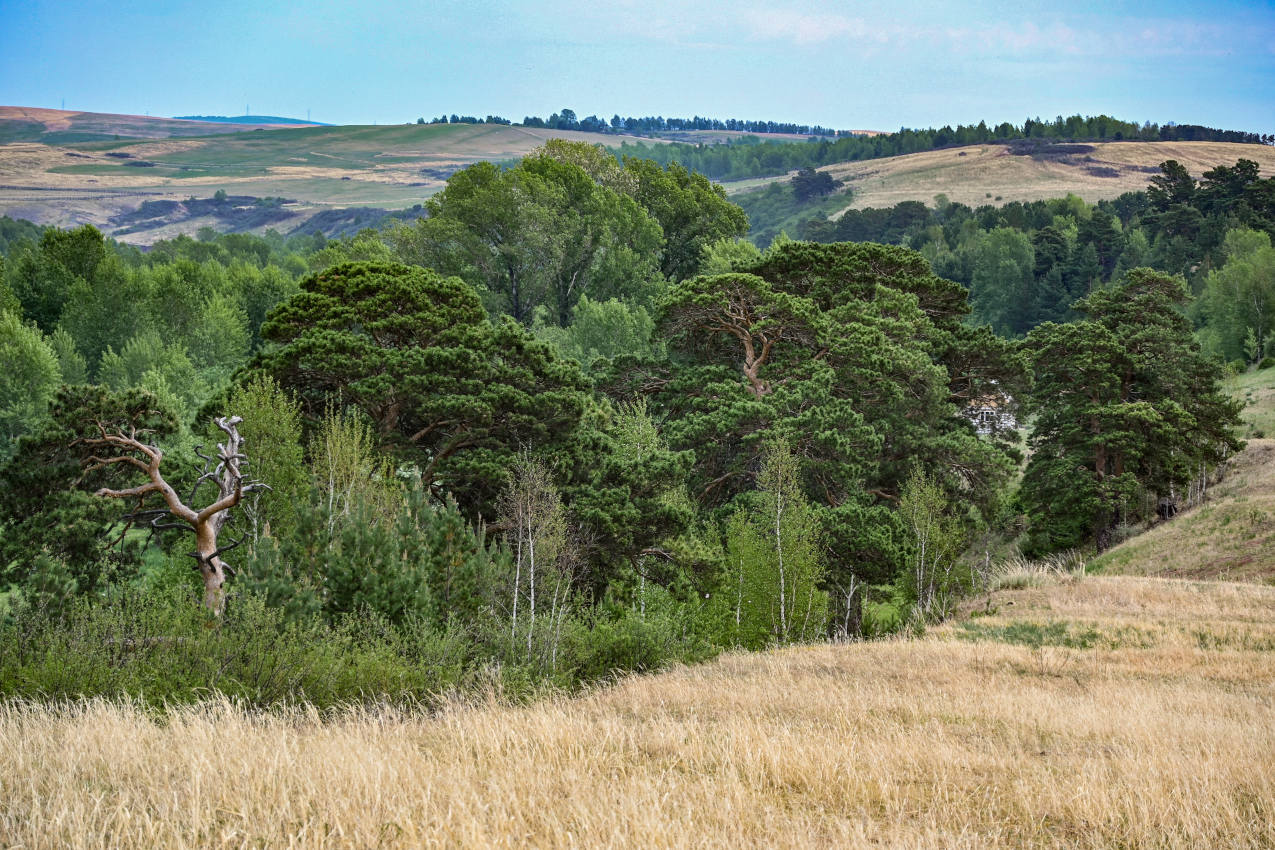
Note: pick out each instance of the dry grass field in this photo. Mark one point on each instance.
(986, 174)
(79, 176)
(1099, 712)
(1232, 535)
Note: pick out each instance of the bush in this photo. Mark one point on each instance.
(163, 649)
(885, 611)
(1019, 573)
(1267, 362)
(624, 640)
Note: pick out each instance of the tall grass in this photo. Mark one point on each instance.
(1019, 572)
(924, 743)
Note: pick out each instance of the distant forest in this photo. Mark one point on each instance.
(752, 157)
(649, 125)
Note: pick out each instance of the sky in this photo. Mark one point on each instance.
(847, 65)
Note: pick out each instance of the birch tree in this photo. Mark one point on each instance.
(535, 523)
(934, 542)
(774, 559)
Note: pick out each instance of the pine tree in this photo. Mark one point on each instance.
(1126, 406)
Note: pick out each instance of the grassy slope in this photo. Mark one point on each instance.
(1108, 712)
(1232, 535)
(984, 174)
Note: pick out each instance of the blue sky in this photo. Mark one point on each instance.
(872, 65)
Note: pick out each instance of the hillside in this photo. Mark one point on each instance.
(70, 168)
(1232, 535)
(1099, 712)
(986, 174)
(60, 126)
(316, 168)
(251, 119)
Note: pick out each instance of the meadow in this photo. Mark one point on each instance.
(1059, 708)
(1083, 712)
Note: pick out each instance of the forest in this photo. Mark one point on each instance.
(752, 156)
(570, 423)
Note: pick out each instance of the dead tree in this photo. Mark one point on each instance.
(225, 470)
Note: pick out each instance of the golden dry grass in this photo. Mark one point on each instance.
(1158, 738)
(985, 174)
(1231, 536)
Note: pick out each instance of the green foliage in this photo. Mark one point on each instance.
(692, 211)
(774, 560)
(1238, 301)
(1125, 404)
(541, 234)
(1002, 281)
(852, 352)
(163, 368)
(43, 276)
(415, 353)
(728, 255)
(158, 648)
(71, 364)
(422, 562)
(601, 329)
(47, 510)
(780, 208)
(30, 375)
(934, 541)
(347, 470)
(271, 431)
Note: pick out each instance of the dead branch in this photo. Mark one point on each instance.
(225, 469)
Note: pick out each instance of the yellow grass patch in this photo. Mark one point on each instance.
(985, 174)
(959, 739)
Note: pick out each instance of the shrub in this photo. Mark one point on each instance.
(163, 649)
(1019, 573)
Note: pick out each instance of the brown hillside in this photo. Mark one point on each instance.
(984, 174)
(125, 126)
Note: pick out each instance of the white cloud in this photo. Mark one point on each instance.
(809, 27)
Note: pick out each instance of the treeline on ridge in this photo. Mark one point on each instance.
(755, 157)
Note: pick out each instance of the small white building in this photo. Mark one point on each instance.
(992, 413)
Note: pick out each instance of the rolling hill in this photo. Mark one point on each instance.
(101, 181)
(70, 168)
(999, 173)
(59, 126)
